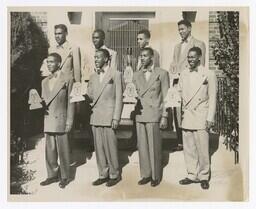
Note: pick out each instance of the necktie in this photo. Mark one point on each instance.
(99, 70)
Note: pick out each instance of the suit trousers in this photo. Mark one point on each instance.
(196, 153)
(105, 143)
(150, 150)
(57, 146)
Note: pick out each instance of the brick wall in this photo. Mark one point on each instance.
(41, 19)
(214, 35)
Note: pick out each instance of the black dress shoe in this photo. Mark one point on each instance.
(100, 181)
(63, 183)
(154, 183)
(144, 181)
(187, 181)
(205, 184)
(113, 182)
(49, 181)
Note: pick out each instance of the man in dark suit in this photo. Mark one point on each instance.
(106, 96)
(178, 64)
(58, 121)
(152, 84)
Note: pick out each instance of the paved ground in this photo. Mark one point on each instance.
(225, 184)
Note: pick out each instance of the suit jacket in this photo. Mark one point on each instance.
(59, 111)
(180, 60)
(151, 95)
(198, 93)
(113, 57)
(71, 61)
(106, 97)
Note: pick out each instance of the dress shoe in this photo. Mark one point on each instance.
(49, 181)
(63, 183)
(144, 181)
(154, 183)
(113, 182)
(100, 181)
(205, 184)
(187, 181)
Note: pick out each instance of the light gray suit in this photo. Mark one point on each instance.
(107, 103)
(151, 109)
(59, 112)
(198, 93)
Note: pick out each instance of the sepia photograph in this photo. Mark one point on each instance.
(128, 104)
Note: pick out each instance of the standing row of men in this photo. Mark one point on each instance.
(195, 84)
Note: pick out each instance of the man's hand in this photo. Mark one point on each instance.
(68, 128)
(209, 124)
(163, 123)
(115, 124)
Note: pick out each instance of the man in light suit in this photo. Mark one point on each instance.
(70, 55)
(143, 39)
(152, 84)
(180, 63)
(98, 39)
(198, 92)
(58, 121)
(106, 95)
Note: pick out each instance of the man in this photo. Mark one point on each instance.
(143, 39)
(58, 121)
(152, 84)
(198, 92)
(98, 39)
(106, 95)
(178, 64)
(70, 55)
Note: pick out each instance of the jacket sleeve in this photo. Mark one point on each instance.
(165, 85)
(70, 106)
(119, 96)
(113, 63)
(77, 64)
(212, 93)
(90, 90)
(203, 48)
(156, 59)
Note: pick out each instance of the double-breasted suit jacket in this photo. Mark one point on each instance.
(59, 111)
(198, 93)
(71, 60)
(151, 94)
(106, 97)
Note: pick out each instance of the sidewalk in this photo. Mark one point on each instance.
(225, 184)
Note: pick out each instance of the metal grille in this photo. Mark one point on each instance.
(122, 34)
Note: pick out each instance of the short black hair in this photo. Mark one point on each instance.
(145, 32)
(104, 52)
(56, 56)
(185, 22)
(197, 50)
(149, 49)
(101, 32)
(61, 26)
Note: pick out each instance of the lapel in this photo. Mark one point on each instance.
(183, 55)
(50, 95)
(191, 90)
(152, 79)
(101, 85)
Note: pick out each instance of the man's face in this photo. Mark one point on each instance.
(146, 58)
(60, 36)
(52, 64)
(184, 31)
(142, 40)
(193, 59)
(97, 40)
(100, 60)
